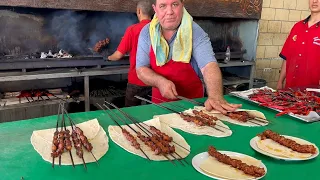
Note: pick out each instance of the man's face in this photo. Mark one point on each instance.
(314, 6)
(169, 13)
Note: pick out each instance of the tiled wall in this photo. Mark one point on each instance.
(277, 19)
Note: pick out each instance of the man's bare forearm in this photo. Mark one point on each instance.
(283, 72)
(149, 77)
(213, 80)
(115, 56)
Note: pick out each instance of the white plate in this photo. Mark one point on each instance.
(253, 144)
(199, 158)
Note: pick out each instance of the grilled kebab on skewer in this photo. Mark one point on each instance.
(235, 163)
(289, 143)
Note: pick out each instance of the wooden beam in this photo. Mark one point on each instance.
(248, 9)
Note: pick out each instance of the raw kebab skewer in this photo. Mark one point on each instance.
(288, 101)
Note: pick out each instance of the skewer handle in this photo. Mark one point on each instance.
(190, 100)
(144, 99)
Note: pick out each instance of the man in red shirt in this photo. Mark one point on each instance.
(129, 44)
(301, 52)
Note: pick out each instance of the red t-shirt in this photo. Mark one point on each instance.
(129, 43)
(302, 54)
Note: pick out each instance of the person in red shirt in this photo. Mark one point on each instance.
(301, 52)
(129, 44)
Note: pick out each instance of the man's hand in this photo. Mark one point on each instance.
(279, 85)
(115, 56)
(167, 89)
(220, 105)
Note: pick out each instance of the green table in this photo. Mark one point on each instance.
(19, 159)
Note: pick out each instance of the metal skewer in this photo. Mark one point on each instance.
(56, 131)
(190, 100)
(136, 131)
(71, 122)
(73, 129)
(58, 137)
(141, 128)
(255, 119)
(65, 128)
(201, 104)
(137, 124)
(261, 120)
(164, 101)
(122, 128)
(177, 112)
(47, 93)
(196, 116)
(255, 123)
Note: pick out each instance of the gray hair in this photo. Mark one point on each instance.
(155, 1)
(146, 7)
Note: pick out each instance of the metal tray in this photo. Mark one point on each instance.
(312, 117)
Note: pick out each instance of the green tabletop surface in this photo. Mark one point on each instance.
(19, 159)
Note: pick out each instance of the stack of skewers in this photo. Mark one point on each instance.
(159, 142)
(62, 139)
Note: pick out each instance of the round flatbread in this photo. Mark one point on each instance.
(116, 136)
(275, 148)
(42, 142)
(226, 118)
(175, 121)
(213, 167)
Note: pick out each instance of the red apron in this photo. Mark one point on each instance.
(186, 80)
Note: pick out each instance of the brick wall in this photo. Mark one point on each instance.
(277, 19)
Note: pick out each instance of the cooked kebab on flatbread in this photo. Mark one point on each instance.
(204, 115)
(289, 143)
(198, 120)
(161, 135)
(235, 163)
(131, 138)
(156, 144)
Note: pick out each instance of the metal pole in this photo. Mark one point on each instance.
(86, 93)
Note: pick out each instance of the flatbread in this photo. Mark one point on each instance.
(213, 167)
(42, 142)
(226, 118)
(276, 149)
(175, 121)
(117, 137)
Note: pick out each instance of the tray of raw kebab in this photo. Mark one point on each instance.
(72, 145)
(303, 105)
